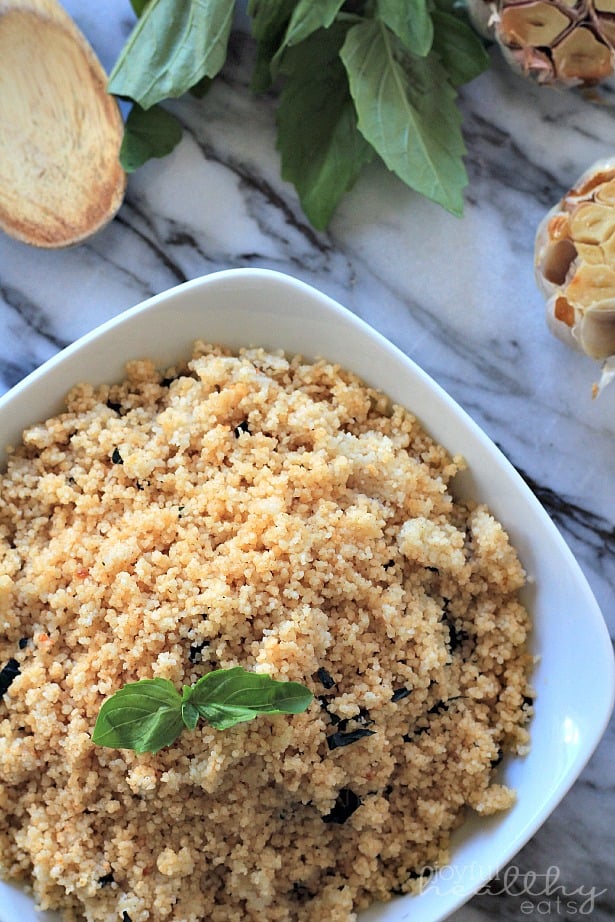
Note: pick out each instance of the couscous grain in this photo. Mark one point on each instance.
(277, 514)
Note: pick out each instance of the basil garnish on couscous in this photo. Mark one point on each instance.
(150, 714)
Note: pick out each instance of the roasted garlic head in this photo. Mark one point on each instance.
(575, 266)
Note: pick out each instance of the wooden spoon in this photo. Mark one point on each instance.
(60, 132)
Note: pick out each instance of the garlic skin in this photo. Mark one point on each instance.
(563, 42)
(574, 260)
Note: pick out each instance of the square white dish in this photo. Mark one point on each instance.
(574, 677)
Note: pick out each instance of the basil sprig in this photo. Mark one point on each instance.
(154, 133)
(357, 79)
(150, 714)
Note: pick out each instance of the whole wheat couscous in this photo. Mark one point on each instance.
(257, 510)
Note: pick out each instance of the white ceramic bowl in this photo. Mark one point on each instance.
(574, 678)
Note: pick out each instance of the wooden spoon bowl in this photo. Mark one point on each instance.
(60, 132)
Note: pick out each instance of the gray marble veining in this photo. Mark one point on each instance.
(458, 296)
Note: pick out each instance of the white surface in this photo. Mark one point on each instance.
(574, 678)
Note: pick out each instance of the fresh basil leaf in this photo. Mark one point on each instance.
(223, 717)
(138, 6)
(8, 674)
(459, 48)
(410, 21)
(150, 714)
(144, 716)
(172, 46)
(148, 133)
(226, 697)
(190, 714)
(407, 112)
(308, 16)
(345, 805)
(343, 738)
(454, 7)
(321, 148)
(269, 21)
(201, 88)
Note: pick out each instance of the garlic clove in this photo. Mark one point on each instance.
(592, 254)
(536, 24)
(565, 42)
(606, 27)
(592, 222)
(606, 192)
(581, 56)
(575, 267)
(556, 262)
(596, 331)
(591, 287)
(608, 248)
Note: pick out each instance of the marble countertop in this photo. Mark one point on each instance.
(457, 295)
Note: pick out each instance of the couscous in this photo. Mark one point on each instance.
(268, 512)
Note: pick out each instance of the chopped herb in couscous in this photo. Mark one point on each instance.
(258, 511)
